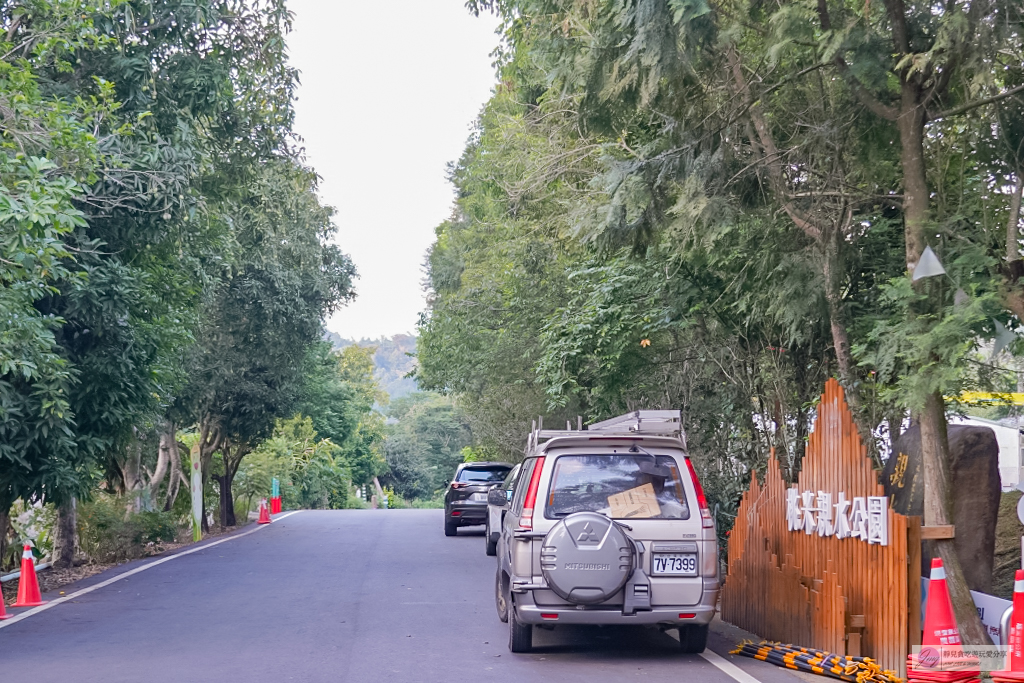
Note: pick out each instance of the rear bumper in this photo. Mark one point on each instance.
(702, 613)
(468, 512)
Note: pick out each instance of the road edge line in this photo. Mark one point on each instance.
(728, 668)
(114, 579)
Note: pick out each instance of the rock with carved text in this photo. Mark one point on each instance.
(975, 486)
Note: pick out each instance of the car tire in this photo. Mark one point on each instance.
(500, 598)
(520, 635)
(450, 527)
(693, 638)
(490, 546)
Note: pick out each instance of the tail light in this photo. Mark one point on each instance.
(459, 485)
(526, 519)
(705, 513)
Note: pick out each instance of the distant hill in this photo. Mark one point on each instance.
(392, 363)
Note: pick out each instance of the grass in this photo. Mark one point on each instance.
(437, 502)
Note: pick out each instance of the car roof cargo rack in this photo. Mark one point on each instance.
(646, 422)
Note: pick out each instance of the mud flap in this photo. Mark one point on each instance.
(637, 593)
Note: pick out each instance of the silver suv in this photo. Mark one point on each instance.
(608, 525)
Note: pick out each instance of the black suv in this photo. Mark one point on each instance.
(465, 499)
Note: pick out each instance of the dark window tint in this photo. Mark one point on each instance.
(622, 486)
(490, 475)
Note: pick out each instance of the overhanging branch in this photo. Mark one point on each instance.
(963, 108)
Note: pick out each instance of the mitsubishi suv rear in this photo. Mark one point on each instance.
(465, 498)
(609, 526)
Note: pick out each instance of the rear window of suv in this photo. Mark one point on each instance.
(621, 486)
(490, 475)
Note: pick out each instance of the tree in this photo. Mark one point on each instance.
(247, 366)
(48, 156)
(424, 443)
(865, 126)
(312, 472)
(498, 270)
(153, 204)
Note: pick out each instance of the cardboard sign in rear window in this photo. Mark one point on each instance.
(635, 503)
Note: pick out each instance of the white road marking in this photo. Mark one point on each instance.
(728, 668)
(53, 603)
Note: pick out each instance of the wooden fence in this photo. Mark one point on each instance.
(842, 595)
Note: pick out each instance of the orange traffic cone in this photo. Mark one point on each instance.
(939, 623)
(1015, 657)
(28, 584)
(264, 512)
(3, 609)
(940, 632)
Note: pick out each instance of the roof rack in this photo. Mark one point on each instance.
(648, 422)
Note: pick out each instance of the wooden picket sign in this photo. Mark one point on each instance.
(817, 591)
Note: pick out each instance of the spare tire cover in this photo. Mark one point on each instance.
(586, 558)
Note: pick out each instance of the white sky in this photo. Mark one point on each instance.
(389, 93)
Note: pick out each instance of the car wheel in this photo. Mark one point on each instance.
(450, 527)
(490, 546)
(500, 599)
(520, 636)
(693, 638)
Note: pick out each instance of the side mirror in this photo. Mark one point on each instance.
(496, 497)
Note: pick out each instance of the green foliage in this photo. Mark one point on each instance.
(312, 471)
(425, 443)
(32, 524)
(110, 532)
(707, 207)
(434, 503)
(165, 261)
(477, 454)
(393, 361)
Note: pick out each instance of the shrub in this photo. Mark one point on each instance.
(356, 503)
(108, 533)
(157, 527)
(428, 503)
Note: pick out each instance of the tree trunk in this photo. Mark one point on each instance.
(131, 474)
(227, 499)
(210, 440)
(5, 525)
(173, 466)
(1013, 269)
(838, 325)
(937, 506)
(932, 418)
(916, 208)
(1013, 223)
(163, 461)
(65, 536)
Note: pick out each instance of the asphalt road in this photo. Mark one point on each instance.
(329, 596)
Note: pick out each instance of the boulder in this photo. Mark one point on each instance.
(974, 480)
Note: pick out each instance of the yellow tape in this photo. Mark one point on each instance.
(988, 397)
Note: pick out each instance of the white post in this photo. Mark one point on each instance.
(197, 493)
